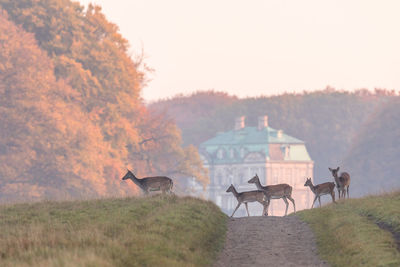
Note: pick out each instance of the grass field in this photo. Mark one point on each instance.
(152, 231)
(351, 233)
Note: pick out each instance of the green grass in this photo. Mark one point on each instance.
(153, 231)
(348, 235)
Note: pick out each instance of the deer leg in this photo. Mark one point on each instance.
(248, 214)
(292, 200)
(319, 200)
(287, 204)
(314, 202)
(267, 206)
(264, 208)
(348, 192)
(236, 208)
(333, 196)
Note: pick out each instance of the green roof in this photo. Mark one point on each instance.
(251, 139)
(251, 135)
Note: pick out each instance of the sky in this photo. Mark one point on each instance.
(261, 47)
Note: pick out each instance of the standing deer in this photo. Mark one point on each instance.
(277, 191)
(342, 182)
(250, 196)
(148, 184)
(320, 190)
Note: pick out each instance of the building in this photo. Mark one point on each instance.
(234, 157)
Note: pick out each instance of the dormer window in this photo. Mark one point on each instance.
(220, 153)
(285, 151)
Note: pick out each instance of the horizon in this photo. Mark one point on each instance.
(298, 93)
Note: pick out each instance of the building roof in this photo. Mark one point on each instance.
(251, 139)
(251, 135)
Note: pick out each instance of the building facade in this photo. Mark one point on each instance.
(234, 157)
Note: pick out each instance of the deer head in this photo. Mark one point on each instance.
(308, 182)
(334, 171)
(230, 189)
(254, 179)
(128, 175)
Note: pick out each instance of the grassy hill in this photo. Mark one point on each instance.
(152, 231)
(358, 232)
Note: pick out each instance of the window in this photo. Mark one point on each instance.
(289, 179)
(231, 153)
(243, 152)
(218, 179)
(220, 153)
(241, 178)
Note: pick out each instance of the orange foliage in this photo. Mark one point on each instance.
(71, 115)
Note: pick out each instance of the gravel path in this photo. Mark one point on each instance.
(269, 241)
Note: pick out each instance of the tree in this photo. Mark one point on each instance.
(87, 90)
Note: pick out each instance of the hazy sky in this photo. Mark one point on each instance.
(261, 47)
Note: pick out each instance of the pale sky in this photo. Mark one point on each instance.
(261, 47)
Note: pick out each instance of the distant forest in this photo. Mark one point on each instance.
(358, 131)
(71, 117)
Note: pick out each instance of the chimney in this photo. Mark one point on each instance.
(262, 122)
(239, 123)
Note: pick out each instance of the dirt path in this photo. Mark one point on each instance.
(269, 241)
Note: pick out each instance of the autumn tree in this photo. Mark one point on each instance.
(48, 145)
(95, 85)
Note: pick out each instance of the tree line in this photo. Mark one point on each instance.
(355, 130)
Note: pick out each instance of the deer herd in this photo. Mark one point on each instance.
(262, 195)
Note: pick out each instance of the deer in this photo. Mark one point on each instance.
(320, 190)
(277, 191)
(342, 182)
(148, 184)
(250, 196)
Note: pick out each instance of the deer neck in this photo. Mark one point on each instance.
(337, 180)
(137, 181)
(335, 175)
(312, 187)
(234, 192)
(258, 184)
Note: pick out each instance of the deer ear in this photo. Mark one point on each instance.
(338, 168)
